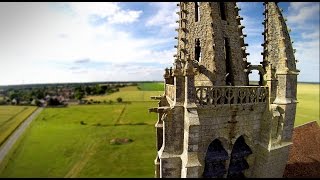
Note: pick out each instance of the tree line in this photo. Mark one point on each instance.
(77, 92)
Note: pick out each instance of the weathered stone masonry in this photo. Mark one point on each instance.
(211, 121)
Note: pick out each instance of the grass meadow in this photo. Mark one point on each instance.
(58, 145)
(151, 86)
(66, 148)
(11, 117)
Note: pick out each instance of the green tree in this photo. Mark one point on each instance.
(119, 99)
(79, 94)
(39, 93)
(13, 95)
(88, 89)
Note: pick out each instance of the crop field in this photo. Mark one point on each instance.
(11, 117)
(75, 141)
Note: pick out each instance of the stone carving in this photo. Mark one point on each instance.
(212, 122)
(170, 91)
(219, 95)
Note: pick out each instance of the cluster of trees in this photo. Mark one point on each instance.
(85, 90)
(91, 101)
(54, 102)
(23, 95)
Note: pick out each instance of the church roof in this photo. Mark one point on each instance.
(304, 156)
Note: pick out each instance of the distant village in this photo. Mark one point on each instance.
(55, 94)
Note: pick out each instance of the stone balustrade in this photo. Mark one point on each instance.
(218, 95)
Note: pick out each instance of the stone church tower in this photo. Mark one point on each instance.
(211, 121)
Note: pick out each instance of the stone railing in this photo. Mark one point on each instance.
(218, 95)
(170, 91)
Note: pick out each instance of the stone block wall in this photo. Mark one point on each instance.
(271, 163)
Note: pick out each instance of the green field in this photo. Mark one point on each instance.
(308, 106)
(58, 145)
(151, 86)
(66, 148)
(11, 117)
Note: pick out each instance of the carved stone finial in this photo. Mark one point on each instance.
(189, 69)
(177, 71)
(166, 73)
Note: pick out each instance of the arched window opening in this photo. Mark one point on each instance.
(227, 53)
(170, 80)
(255, 79)
(215, 160)
(159, 132)
(238, 161)
(197, 50)
(222, 11)
(197, 11)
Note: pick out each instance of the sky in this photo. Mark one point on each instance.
(58, 42)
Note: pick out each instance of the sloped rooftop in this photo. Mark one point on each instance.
(304, 156)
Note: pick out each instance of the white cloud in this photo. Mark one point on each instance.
(314, 35)
(300, 12)
(165, 17)
(36, 31)
(125, 17)
(299, 5)
(307, 51)
(137, 73)
(303, 17)
(102, 9)
(40, 42)
(109, 10)
(35, 37)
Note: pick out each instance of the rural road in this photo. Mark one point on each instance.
(5, 148)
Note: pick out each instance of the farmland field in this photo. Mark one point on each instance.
(74, 141)
(11, 117)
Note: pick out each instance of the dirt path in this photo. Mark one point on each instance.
(118, 121)
(89, 151)
(78, 166)
(6, 146)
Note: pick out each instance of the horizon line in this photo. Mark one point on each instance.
(52, 83)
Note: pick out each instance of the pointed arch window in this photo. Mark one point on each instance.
(215, 160)
(238, 161)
